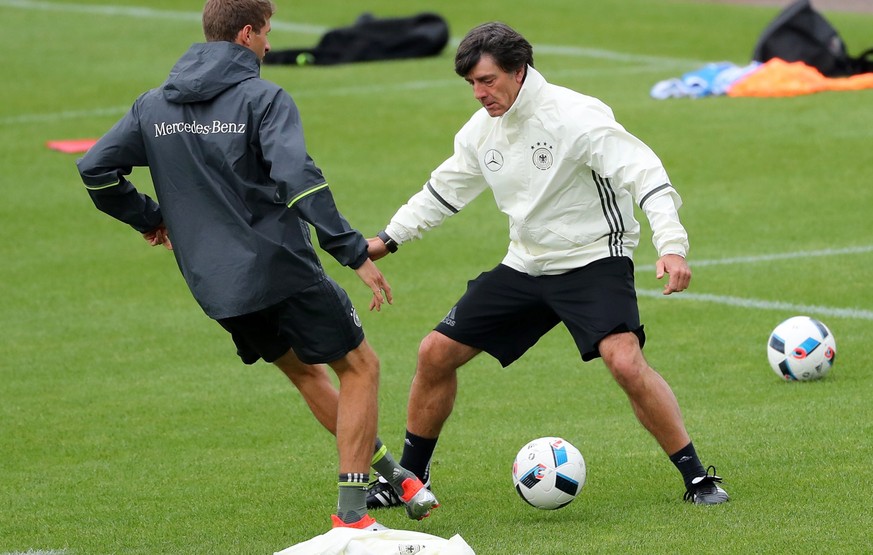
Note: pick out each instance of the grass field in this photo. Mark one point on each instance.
(128, 426)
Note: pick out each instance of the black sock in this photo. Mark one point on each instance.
(688, 463)
(417, 452)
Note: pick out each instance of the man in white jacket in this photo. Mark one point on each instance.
(568, 176)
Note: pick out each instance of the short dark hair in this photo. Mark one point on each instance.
(223, 19)
(510, 50)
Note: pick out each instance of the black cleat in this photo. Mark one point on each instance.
(704, 490)
(380, 494)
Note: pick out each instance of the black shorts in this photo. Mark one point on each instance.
(505, 312)
(319, 323)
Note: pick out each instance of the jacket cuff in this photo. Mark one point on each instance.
(359, 261)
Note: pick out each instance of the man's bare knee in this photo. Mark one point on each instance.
(430, 346)
(360, 360)
(623, 357)
(438, 353)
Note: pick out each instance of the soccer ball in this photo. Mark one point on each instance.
(801, 348)
(548, 473)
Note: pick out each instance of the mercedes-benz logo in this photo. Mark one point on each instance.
(493, 160)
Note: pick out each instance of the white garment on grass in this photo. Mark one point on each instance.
(349, 541)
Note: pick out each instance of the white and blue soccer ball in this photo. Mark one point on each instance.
(801, 349)
(548, 473)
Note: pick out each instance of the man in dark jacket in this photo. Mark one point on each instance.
(237, 190)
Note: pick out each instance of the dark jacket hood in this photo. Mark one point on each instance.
(208, 69)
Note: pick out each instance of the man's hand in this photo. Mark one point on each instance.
(158, 236)
(373, 278)
(677, 268)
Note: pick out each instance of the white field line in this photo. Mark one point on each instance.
(39, 552)
(143, 13)
(770, 257)
(381, 90)
(852, 313)
(23, 119)
(804, 309)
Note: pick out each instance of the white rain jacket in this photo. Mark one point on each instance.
(564, 171)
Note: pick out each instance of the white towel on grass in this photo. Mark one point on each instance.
(349, 541)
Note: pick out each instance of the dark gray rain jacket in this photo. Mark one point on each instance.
(235, 184)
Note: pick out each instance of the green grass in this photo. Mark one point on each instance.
(127, 425)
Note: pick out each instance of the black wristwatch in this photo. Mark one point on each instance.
(390, 243)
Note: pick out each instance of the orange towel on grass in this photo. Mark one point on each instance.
(780, 78)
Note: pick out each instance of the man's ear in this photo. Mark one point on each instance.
(520, 74)
(244, 36)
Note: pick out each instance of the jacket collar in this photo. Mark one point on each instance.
(526, 102)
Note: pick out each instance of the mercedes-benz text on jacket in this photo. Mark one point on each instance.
(235, 183)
